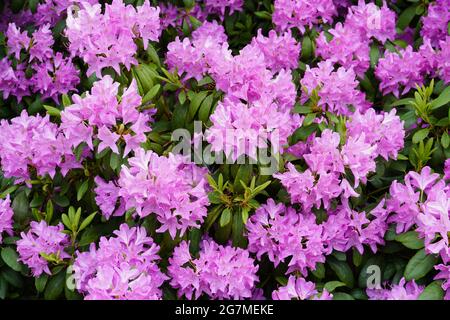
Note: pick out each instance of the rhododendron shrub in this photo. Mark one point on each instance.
(226, 150)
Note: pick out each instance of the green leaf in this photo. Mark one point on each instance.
(55, 286)
(445, 140)
(419, 265)
(40, 282)
(307, 48)
(420, 135)
(263, 15)
(52, 111)
(319, 272)
(9, 190)
(151, 93)
(282, 280)
(49, 211)
(182, 97)
(12, 277)
(114, 161)
(225, 218)
(374, 55)
(402, 102)
(212, 217)
(357, 258)
(410, 240)
(87, 221)
(309, 118)
(433, 291)
(302, 133)
(195, 22)
(443, 99)
(153, 55)
(342, 296)
(20, 206)
(196, 102)
(3, 288)
(61, 201)
(302, 109)
(10, 257)
(66, 100)
(406, 17)
(243, 174)
(237, 230)
(331, 285)
(342, 270)
(65, 219)
(205, 108)
(82, 189)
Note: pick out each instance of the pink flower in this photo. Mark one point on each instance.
(6, 217)
(436, 21)
(107, 39)
(42, 238)
(300, 289)
(101, 111)
(400, 70)
(402, 291)
(17, 40)
(282, 233)
(220, 272)
(300, 14)
(123, 267)
(280, 52)
(336, 89)
(33, 142)
(172, 188)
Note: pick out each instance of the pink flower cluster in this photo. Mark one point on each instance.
(220, 272)
(221, 7)
(257, 75)
(33, 146)
(435, 23)
(337, 89)
(350, 44)
(102, 115)
(423, 202)
(123, 267)
(42, 239)
(47, 12)
(302, 14)
(281, 233)
(401, 291)
(346, 228)
(280, 52)
(108, 39)
(173, 188)
(324, 179)
(6, 217)
(385, 130)
(32, 67)
(300, 289)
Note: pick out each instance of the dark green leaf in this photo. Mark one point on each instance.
(419, 265)
(10, 257)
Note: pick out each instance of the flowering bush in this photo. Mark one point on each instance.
(210, 149)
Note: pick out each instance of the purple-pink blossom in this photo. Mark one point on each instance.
(172, 187)
(6, 217)
(122, 267)
(42, 238)
(32, 147)
(220, 272)
(300, 289)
